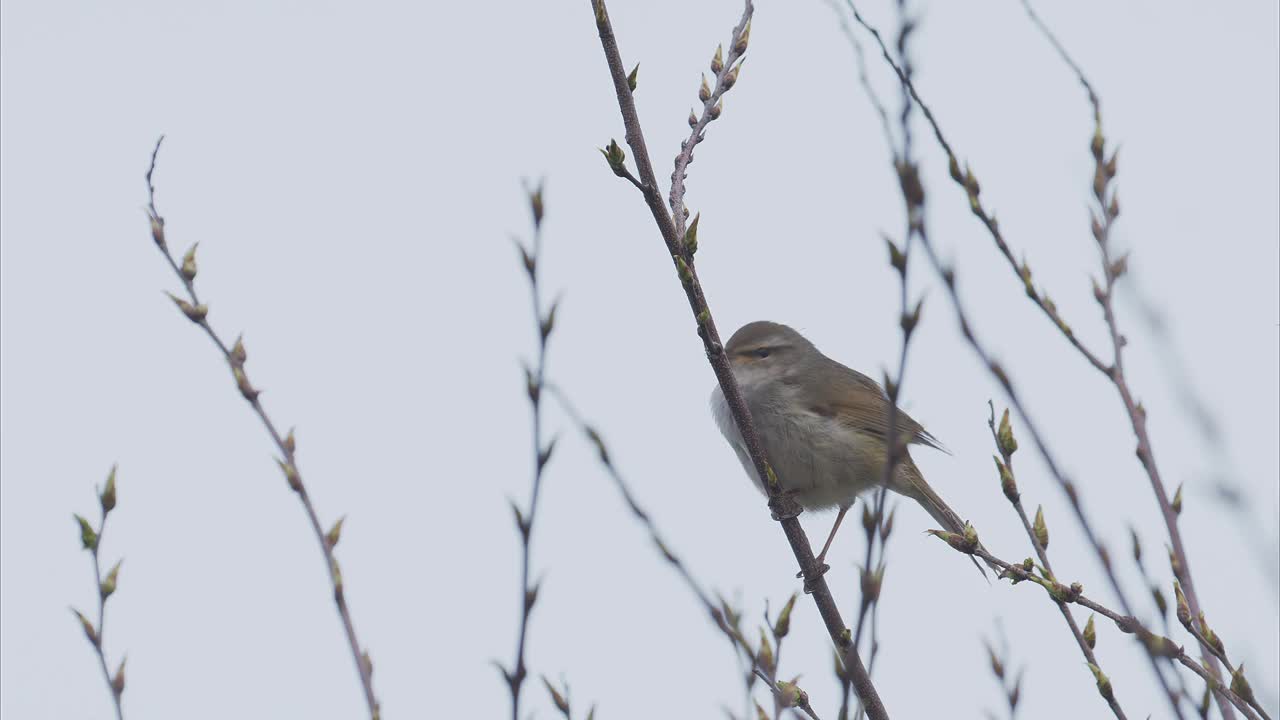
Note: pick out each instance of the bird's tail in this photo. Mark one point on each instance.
(911, 483)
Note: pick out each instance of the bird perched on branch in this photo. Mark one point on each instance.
(824, 427)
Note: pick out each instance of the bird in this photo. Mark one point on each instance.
(824, 427)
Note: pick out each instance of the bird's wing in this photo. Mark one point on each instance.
(858, 402)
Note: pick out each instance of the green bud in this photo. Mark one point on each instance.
(189, 264)
(89, 630)
(740, 45)
(684, 271)
(117, 680)
(764, 658)
(717, 62)
(1177, 501)
(631, 77)
(1040, 528)
(1240, 685)
(238, 353)
(792, 695)
(1104, 683)
(335, 532)
(88, 537)
(1183, 610)
(1008, 444)
(194, 313)
(1090, 633)
(107, 497)
(691, 236)
(782, 625)
(1007, 483)
(291, 475)
(108, 585)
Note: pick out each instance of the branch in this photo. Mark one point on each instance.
(947, 275)
(1113, 268)
(1038, 534)
(91, 540)
(682, 256)
(535, 380)
(972, 188)
(1156, 645)
(236, 356)
(726, 74)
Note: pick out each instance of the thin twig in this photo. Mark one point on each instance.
(682, 257)
(970, 183)
(235, 357)
(994, 368)
(1156, 645)
(91, 540)
(914, 205)
(726, 74)
(1009, 481)
(535, 380)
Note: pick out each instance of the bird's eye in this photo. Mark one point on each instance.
(761, 352)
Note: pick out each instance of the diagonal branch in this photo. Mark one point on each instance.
(785, 512)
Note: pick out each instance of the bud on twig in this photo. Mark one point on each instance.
(291, 475)
(194, 313)
(691, 235)
(1183, 610)
(1008, 444)
(1240, 686)
(117, 680)
(107, 498)
(792, 695)
(238, 354)
(1090, 633)
(615, 156)
(1104, 683)
(89, 630)
(740, 44)
(188, 270)
(782, 625)
(88, 537)
(1041, 529)
(717, 62)
(561, 703)
(1007, 483)
(704, 91)
(108, 585)
(335, 533)
(632, 77)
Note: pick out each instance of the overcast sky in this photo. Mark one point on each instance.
(352, 172)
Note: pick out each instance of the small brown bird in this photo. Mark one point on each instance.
(824, 427)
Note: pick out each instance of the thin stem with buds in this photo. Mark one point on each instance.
(91, 540)
(235, 357)
(535, 381)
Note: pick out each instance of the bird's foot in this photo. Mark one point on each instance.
(784, 506)
(811, 581)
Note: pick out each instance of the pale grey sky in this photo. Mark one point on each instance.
(352, 173)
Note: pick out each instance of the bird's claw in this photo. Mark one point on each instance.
(811, 582)
(784, 506)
